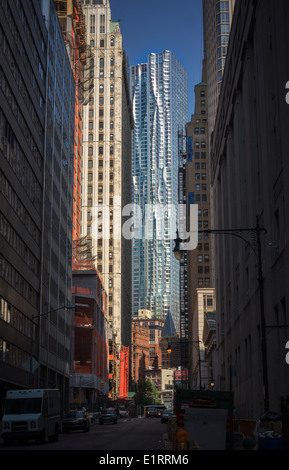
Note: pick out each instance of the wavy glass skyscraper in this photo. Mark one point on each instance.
(159, 99)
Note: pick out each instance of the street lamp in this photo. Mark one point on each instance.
(237, 233)
(177, 250)
(68, 307)
(169, 348)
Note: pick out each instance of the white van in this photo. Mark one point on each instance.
(31, 414)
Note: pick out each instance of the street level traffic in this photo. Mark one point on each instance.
(127, 434)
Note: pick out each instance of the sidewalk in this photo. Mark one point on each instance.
(167, 444)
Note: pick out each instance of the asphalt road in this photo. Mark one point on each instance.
(128, 434)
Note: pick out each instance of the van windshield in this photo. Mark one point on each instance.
(18, 406)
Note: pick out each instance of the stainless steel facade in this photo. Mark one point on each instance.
(159, 99)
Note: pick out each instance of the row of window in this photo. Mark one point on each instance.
(15, 203)
(200, 145)
(12, 355)
(11, 315)
(18, 245)
(198, 130)
(9, 274)
(101, 149)
(204, 282)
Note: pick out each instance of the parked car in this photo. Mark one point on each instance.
(165, 416)
(151, 413)
(76, 420)
(108, 415)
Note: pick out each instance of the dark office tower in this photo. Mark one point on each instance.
(217, 19)
(36, 168)
(22, 145)
(249, 176)
(58, 169)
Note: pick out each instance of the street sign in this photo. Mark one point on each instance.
(182, 435)
(27, 365)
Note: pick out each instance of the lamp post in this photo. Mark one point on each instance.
(237, 233)
(68, 307)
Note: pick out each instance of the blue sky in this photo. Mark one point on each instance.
(156, 25)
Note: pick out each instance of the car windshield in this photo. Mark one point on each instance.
(75, 414)
(18, 406)
(107, 412)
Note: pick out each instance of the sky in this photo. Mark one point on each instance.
(149, 26)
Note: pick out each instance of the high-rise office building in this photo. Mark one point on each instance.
(37, 136)
(199, 261)
(71, 19)
(217, 19)
(106, 168)
(249, 176)
(58, 168)
(158, 91)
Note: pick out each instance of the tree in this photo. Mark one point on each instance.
(146, 393)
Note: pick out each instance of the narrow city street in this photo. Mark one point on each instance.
(127, 434)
